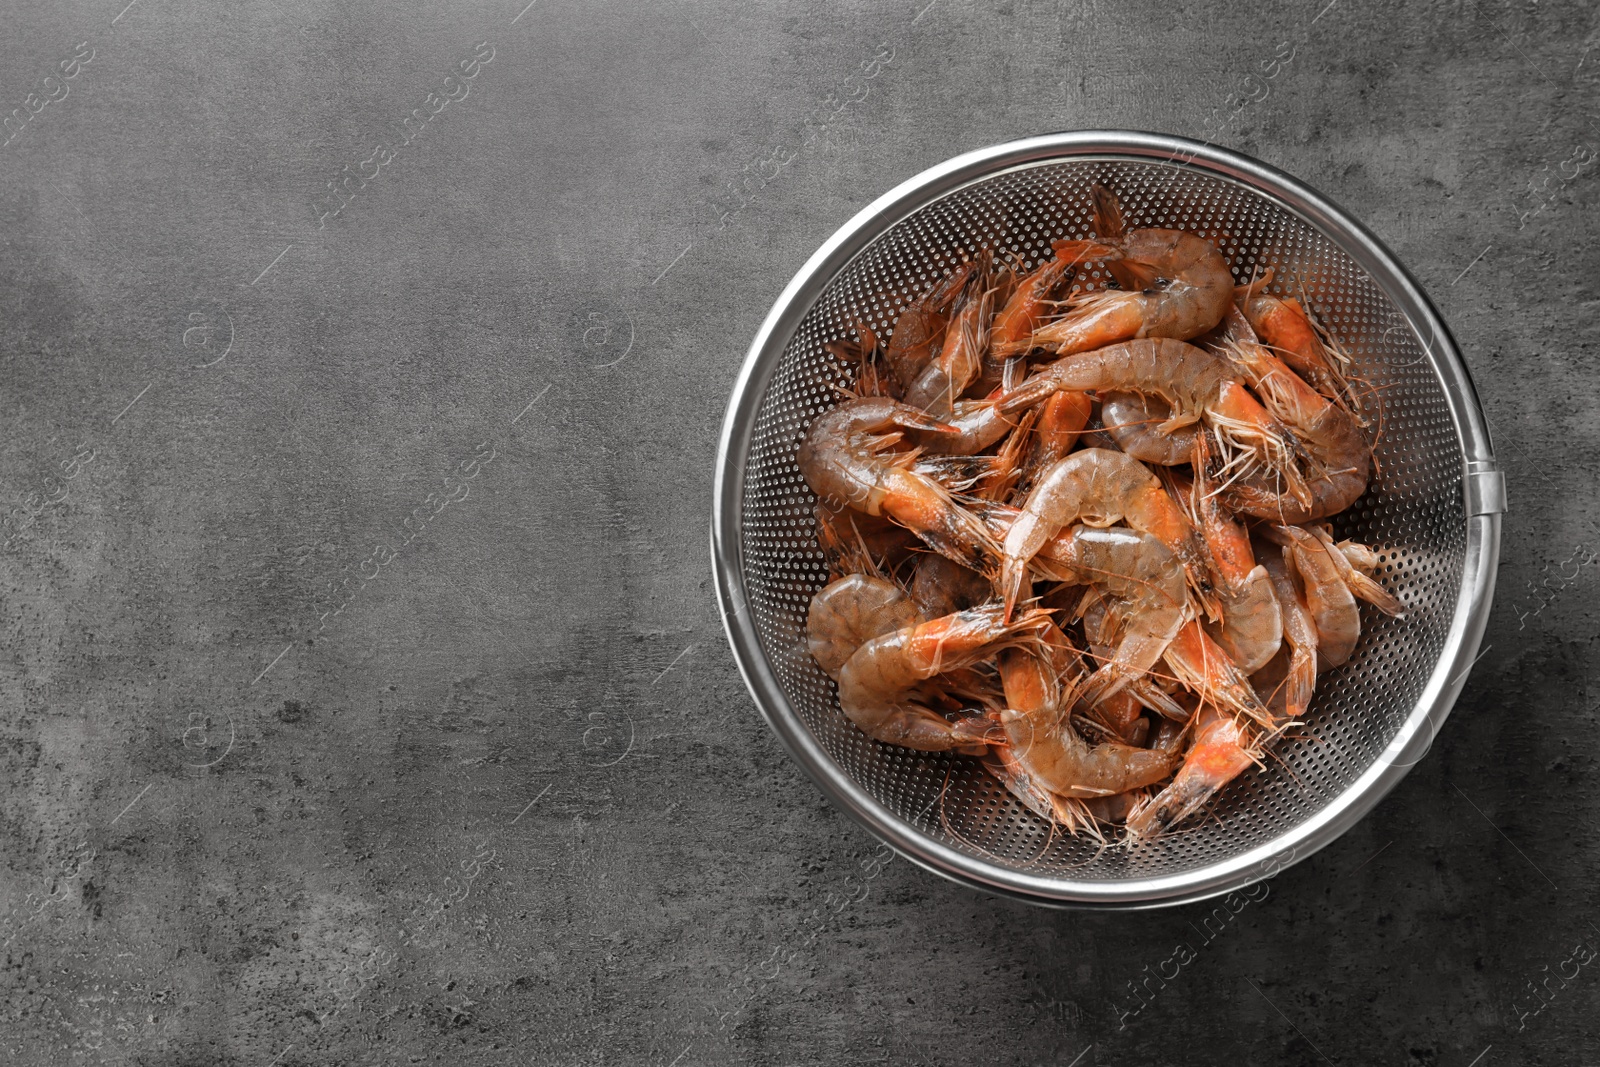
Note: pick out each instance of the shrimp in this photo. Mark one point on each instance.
(877, 684)
(1299, 634)
(1115, 809)
(841, 459)
(1333, 608)
(1136, 422)
(1195, 384)
(994, 373)
(1204, 667)
(960, 359)
(1174, 285)
(941, 587)
(1002, 763)
(1250, 627)
(1038, 725)
(1102, 627)
(1098, 487)
(1329, 439)
(1284, 326)
(1028, 303)
(1198, 663)
(848, 536)
(1357, 580)
(1221, 750)
(1008, 464)
(1061, 422)
(870, 377)
(921, 326)
(1022, 306)
(1140, 572)
(971, 427)
(847, 613)
(1360, 556)
(1169, 738)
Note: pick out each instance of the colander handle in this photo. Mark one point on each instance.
(1486, 488)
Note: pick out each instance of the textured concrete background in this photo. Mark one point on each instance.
(364, 697)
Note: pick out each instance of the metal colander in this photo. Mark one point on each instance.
(1432, 513)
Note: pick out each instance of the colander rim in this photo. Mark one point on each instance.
(1483, 490)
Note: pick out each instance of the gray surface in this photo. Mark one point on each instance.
(206, 863)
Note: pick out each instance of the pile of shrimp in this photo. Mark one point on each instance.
(1077, 529)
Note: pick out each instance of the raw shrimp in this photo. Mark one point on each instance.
(877, 684)
(1221, 750)
(1002, 763)
(1360, 556)
(1195, 384)
(1283, 325)
(1098, 487)
(1135, 423)
(1028, 304)
(1250, 628)
(849, 538)
(1333, 608)
(1198, 663)
(1102, 628)
(960, 359)
(847, 613)
(941, 587)
(1037, 721)
(842, 461)
(1140, 572)
(921, 326)
(1330, 442)
(1299, 634)
(871, 380)
(1174, 285)
(1060, 426)
(1357, 580)
(1169, 738)
(973, 425)
(1009, 462)
(1115, 809)
(1021, 309)
(1204, 667)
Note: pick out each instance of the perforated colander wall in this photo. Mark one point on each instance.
(1413, 513)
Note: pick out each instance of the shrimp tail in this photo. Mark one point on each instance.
(1359, 582)
(1107, 212)
(1374, 594)
(1299, 685)
(1013, 581)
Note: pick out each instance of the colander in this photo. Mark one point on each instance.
(1432, 512)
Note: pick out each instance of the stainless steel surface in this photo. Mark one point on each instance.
(1433, 513)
